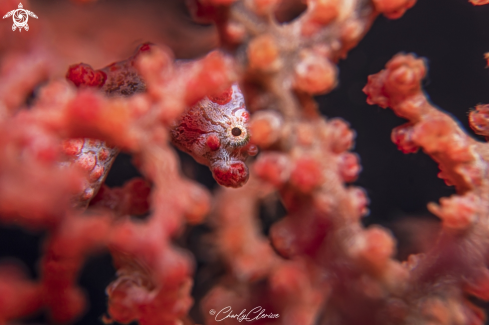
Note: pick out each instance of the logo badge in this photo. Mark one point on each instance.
(20, 16)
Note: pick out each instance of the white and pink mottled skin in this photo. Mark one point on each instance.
(215, 132)
(92, 155)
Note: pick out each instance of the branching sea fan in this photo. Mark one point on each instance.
(260, 222)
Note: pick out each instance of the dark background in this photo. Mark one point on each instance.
(452, 35)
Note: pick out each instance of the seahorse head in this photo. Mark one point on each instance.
(215, 132)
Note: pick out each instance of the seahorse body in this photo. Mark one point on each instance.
(95, 156)
(214, 131)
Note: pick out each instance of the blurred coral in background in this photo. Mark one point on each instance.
(92, 180)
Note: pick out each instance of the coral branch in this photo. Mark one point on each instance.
(283, 60)
(463, 163)
(462, 160)
(313, 265)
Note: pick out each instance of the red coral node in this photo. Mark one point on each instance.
(73, 147)
(96, 173)
(103, 154)
(273, 168)
(315, 75)
(341, 135)
(375, 92)
(380, 245)
(359, 200)
(145, 47)
(223, 98)
(479, 120)
(252, 150)
(83, 75)
(307, 174)
(404, 74)
(349, 167)
(87, 161)
(402, 137)
(213, 142)
(479, 2)
(324, 11)
(399, 80)
(393, 9)
(231, 175)
(214, 73)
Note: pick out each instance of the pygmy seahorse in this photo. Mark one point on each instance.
(214, 131)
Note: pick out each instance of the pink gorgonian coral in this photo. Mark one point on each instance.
(317, 264)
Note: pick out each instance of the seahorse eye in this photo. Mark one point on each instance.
(236, 132)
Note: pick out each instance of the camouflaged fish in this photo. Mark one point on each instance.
(214, 131)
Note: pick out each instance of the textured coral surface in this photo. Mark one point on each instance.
(280, 238)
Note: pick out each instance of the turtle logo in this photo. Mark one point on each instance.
(20, 16)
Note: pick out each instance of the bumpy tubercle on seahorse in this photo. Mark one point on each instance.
(214, 131)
